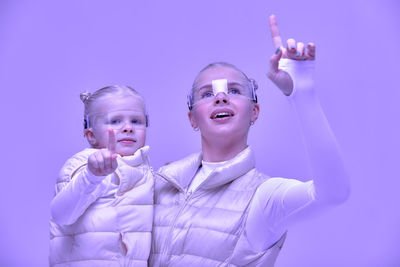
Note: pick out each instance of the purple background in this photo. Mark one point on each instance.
(50, 51)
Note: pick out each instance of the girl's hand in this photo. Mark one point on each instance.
(104, 161)
(293, 50)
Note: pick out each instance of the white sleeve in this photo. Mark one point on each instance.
(271, 214)
(330, 178)
(76, 196)
(276, 203)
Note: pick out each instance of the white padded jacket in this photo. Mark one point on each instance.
(112, 223)
(207, 227)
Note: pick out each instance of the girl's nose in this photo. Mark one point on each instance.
(128, 128)
(221, 98)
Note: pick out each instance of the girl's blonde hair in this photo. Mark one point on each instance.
(119, 90)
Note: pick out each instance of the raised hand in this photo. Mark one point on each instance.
(293, 50)
(104, 161)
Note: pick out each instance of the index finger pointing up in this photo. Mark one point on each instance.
(276, 38)
(111, 140)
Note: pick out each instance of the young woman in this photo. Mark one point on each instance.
(214, 208)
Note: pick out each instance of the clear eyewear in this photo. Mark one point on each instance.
(232, 89)
(119, 119)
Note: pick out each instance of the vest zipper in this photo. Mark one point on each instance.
(188, 197)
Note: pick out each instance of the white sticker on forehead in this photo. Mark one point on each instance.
(220, 86)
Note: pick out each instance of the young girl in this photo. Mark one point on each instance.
(102, 212)
(215, 208)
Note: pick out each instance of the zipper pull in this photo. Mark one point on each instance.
(188, 194)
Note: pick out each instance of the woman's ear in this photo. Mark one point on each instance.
(90, 137)
(255, 112)
(192, 120)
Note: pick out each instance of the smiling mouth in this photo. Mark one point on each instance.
(221, 115)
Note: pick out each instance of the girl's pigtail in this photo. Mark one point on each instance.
(85, 96)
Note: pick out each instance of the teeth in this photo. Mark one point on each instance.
(222, 114)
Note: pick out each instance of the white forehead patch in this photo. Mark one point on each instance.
(220, 86)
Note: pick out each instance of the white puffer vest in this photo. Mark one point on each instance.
(116, 229)
(206, 228)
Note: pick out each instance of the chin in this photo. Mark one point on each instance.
(227, 135)
(126, 152)
(228, 131)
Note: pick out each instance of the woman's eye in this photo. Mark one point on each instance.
(234, 91)
(207, 94)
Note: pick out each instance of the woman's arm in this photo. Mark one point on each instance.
(280, 202)
(291, 69)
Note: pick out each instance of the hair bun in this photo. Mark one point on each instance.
(85, 96)
(254, 83)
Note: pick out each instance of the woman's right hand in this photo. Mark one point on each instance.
(104, 161)
(293, 50)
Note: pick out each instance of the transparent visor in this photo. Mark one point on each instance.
(118, 119)
(233, 89)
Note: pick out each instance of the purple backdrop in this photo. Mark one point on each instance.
(50, 51)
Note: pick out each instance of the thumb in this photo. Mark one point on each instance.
(114, 162)
(111, 141)
(274, 61)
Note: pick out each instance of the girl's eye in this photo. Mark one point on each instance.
(136, 121)
(115, 121)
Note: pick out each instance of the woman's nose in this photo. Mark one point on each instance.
(221, 98)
